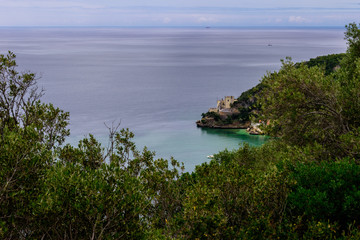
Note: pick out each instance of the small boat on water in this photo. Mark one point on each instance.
(210, 156)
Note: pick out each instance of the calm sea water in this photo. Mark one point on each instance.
(158, 81)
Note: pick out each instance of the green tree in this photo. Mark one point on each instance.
(20, 105)
(79, 202)
(23, 163)
(325, 197)
(352, 36)
(303, 106)
(29, 131)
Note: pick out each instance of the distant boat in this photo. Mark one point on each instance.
(210, 156)
(207, 27)
(269, 45)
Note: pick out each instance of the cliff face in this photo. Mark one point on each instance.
(211, 123)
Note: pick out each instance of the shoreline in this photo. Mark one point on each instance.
(212, 124)
(252, 129)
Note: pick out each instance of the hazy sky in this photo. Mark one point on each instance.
(178, 12)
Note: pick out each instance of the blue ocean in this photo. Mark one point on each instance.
(158, 81)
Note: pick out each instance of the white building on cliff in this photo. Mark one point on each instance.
(223, 105)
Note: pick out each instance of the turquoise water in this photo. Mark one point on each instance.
(185, 144)
(157, 82)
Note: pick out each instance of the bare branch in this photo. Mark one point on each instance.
(112, 130)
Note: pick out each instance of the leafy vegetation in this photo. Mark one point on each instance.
(330, 62)
(214, 115)
(248, 105)
(303, 184)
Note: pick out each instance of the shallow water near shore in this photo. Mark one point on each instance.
(158, 81)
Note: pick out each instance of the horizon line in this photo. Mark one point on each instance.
(159, 26)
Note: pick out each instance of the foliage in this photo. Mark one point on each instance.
(352, 35)
(29, 132)
(23, 163)
(304, 184)
(248, 103)
(20, 105)
(305, 107)
(326, 192)
(329, 62)
(302, 101)
(214, 115)
(248, 97)
(103, 203)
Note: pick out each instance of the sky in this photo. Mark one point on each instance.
(135, 13)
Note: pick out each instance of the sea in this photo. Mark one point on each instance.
(158, 81)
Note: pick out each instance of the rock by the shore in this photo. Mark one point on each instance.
(254, 130)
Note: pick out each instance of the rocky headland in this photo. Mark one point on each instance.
(231, 113)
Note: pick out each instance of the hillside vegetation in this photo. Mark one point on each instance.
(303, 184)
(247, 106)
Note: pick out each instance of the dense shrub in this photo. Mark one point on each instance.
(326, 192)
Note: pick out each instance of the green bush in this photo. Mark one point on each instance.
(326, 192)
